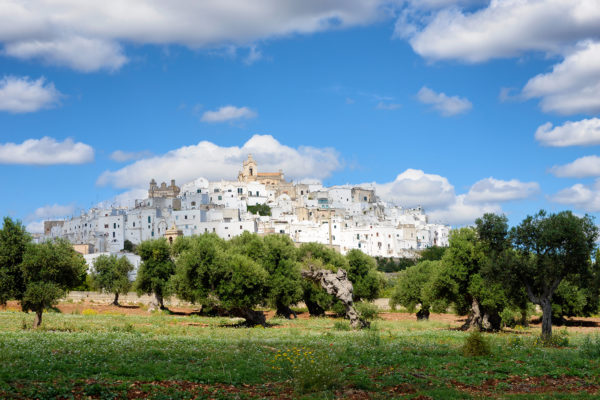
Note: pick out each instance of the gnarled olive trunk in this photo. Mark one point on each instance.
(116, 301)
(252, 317)
(338, 285)
(38, 319)
(481, 319)
(423, 314)
(314, 309)
(284, 311)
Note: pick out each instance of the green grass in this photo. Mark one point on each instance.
(166, 356)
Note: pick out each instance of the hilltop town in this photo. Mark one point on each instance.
(343, 217)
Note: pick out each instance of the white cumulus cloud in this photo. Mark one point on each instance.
(446, 105)
(572, 133)
(228, 113)
(88, 35)
(573, 85)
(437, 195)
(214, 162)
(414, 187)
(51, 211)
(580, 196)
(23, 95)
(462, 212)
(46, 151)
(580, 168)
(505, 28)
(491, 190)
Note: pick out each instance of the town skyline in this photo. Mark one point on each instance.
(391, 93)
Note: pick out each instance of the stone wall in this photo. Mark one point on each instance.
(129, 298)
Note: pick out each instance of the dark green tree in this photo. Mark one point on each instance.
(362, 272)
(156, 269)
(463, 281)
(111, 275)
(50, 270)
(315, 298)
(285, 282)
(433, 253)
(210, 272)
(552, 248)
(412, 290)
(13, 244)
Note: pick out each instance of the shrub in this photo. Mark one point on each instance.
(558, 339)
(476, 345)
(368, 311)
(590, 347)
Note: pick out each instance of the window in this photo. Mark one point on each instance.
(365, 198)
(216, 190)
(152, 234)
(193, 203)
(257, 193)
(149, 219)
(240, 190)
(214, 230)
(185, 217)
(105, 226)
(199, 191)
(359, 245)
(220, 197)
(114, 225)
(134, 224)
(113, 234)
(358, 235)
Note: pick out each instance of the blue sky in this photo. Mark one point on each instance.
(434, 102)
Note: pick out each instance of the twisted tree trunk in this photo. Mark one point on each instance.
(38, 319)
(116, 301)
(483, 320)
(284, 311)
(338, 285)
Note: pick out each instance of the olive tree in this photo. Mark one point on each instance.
(156, 269)
(411, 288)
(362, 272)
(318, 256)
(13, 244)
(111, 274)
(50, 270)
(552, 248)
(210, 273)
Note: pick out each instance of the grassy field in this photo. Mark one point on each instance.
(161, 356)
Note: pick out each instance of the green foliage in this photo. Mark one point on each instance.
(13, 244)
(368, 311)
(385, 264)
(560, 339)
(210, 273)
(411, 288)
(156, 268)
(111, 274)
(129, 246)
(318, 256)
(552, 248)
(280, 261)
(50, 269)
(260, 209)
(433, 253)
(41, 295)
(590, 348)
(362, 272)
(476, 345)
